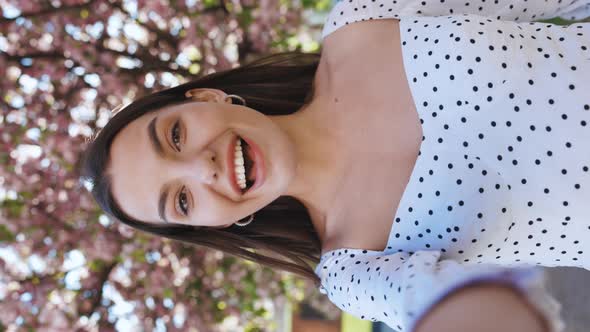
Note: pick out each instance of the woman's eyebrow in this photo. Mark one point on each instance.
(154, 137)
(162, 203)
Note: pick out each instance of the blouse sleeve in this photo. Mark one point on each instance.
(399, 289)
(347, 11)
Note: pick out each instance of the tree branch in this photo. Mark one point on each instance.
(162, 35)
(103, 277)
(47, 11)
(35, 55)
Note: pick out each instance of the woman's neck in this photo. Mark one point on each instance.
(320, 166)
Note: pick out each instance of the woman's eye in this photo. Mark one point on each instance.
(183, 202)
(175, 135)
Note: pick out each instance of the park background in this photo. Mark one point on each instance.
(64, 265)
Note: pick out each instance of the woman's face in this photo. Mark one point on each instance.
(192, 170)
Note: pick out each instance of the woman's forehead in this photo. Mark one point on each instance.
(132, 168)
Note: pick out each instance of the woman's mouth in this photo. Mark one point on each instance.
(246, 165)
(242, 165)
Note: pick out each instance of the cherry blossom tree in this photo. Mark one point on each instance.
(65, 64)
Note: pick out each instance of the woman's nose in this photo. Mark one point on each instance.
(204, 167)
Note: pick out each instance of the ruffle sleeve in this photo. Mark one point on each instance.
(399, 289)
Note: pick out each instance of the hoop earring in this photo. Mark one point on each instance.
(240, 98)
(245, 223)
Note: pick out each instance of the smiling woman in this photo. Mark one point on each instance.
(400, 162)
(169, 163)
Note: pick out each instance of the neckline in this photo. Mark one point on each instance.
(406, 67)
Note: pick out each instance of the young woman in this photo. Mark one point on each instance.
(433, 145)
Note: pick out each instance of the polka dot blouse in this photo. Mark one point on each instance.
(501, 182)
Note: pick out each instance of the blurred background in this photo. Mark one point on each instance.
(64, 266)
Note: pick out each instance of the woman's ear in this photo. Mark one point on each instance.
(207, 95)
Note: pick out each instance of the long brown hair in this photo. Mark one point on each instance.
(278, 84)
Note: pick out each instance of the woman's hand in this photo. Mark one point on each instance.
(483, 308)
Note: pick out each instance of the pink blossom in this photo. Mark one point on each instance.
(53, 214)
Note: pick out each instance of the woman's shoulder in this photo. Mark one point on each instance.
(345, 13)
(353, 39)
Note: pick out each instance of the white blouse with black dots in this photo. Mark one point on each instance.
(502, 182)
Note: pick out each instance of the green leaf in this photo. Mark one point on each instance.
(245, 17)
(13, 207)
(210, 3)
(3, 161)
(27, 195)
(138, 255)
(323, 5)
(196, 285)
(96, 265)
(6, 236)
(227, 263)
(249, 284)
(308, 3)
(168, 293)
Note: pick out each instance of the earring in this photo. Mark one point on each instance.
(188, 94)
(245, 223)
(240, 98)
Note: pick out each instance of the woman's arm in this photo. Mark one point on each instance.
(400, 289)
(483, 308)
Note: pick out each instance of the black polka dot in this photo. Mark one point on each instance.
(500, 174)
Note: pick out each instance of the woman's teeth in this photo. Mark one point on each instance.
(239, 165)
